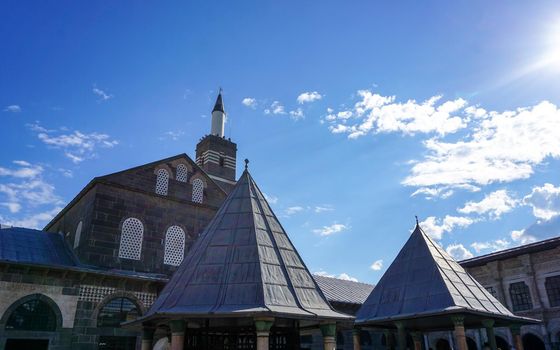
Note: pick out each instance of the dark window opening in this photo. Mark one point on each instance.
(492, 291)
(116, 311)
(116, 343)
(520, 296)
(552, 285)
(34, 315)
(27, 344)
(221, 161)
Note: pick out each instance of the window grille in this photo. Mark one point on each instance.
(552, 285)
(78, 235)
(520, 296)
(116, 311)
(174, 246)
(33, 315)
(162, 182)
(197, 191)
(132, 234)
(182, 173)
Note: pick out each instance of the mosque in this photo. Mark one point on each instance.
(183, 254)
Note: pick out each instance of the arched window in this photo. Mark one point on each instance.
(132, 234)
(78, 235)
(174, 246)
(162, 181)
(552, 285)
(520, 296)
(116, 311)
(197, 190)
(182, 173)
(33, 315)
(365, 338)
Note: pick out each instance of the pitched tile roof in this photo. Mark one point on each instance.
(243, 264)
(343, 291)
(424, 280)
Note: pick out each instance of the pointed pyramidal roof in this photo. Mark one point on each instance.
(242, 265)
(424, 281)
(219, 105)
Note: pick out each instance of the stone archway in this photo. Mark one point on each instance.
(471, 344)
(501, 343)
(533, 342)
(442, 344)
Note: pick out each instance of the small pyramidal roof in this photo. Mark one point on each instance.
(243, 264)
(424, 280)
(219, 105)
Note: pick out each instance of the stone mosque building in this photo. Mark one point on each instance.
(101, 274)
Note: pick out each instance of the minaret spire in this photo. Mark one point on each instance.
(218, 116)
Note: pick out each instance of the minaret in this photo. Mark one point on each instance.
(215, 154)
(218, 117)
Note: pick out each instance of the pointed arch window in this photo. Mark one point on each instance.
(197, 191)
(116, 311)
(132, 234)
(78, 235)
(33, 315)
(182, 173)
(174, 246)
(162, 181)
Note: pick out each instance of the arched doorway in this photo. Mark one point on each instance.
(35, 317)
(471, 344)
(501, 343)
(442, 344)
(531, 341)
(112, 314)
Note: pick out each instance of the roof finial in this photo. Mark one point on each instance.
(220, 90)
(246, 164)
(416, 216)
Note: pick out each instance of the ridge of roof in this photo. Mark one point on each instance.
(243, 264)
(545, 244)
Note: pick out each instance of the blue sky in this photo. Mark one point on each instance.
(356, 116)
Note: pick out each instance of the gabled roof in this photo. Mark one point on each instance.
(343, 291)
(107, 178)
(243, 265)
(423, 281)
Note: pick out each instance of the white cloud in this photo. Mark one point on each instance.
(544, 200)
(249, 102)
(435, 227)
(495, 204)
(377, 265)
(103, 96)
(522, 237)
(77, 146)
(342, 276)
(306, 97)
(496, 245)
(502, 147)
(321, 209)
(270, 198)
(297, 114)
(12, 109)
(458, 252)
(35, 221)
(23, 191)
(293, 210)
(275, 108)
(381, 114)
(331, 229)
(173, 135)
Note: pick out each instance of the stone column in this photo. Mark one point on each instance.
(401, 336)
(417, 338)
(262, 326)
(460, 337)
(356, 339)
(329, 335)
(516, 335)
(147, 337)
(389, 339)
(489, 326)
(177, 334)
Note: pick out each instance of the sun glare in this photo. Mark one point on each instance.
(552, 54)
